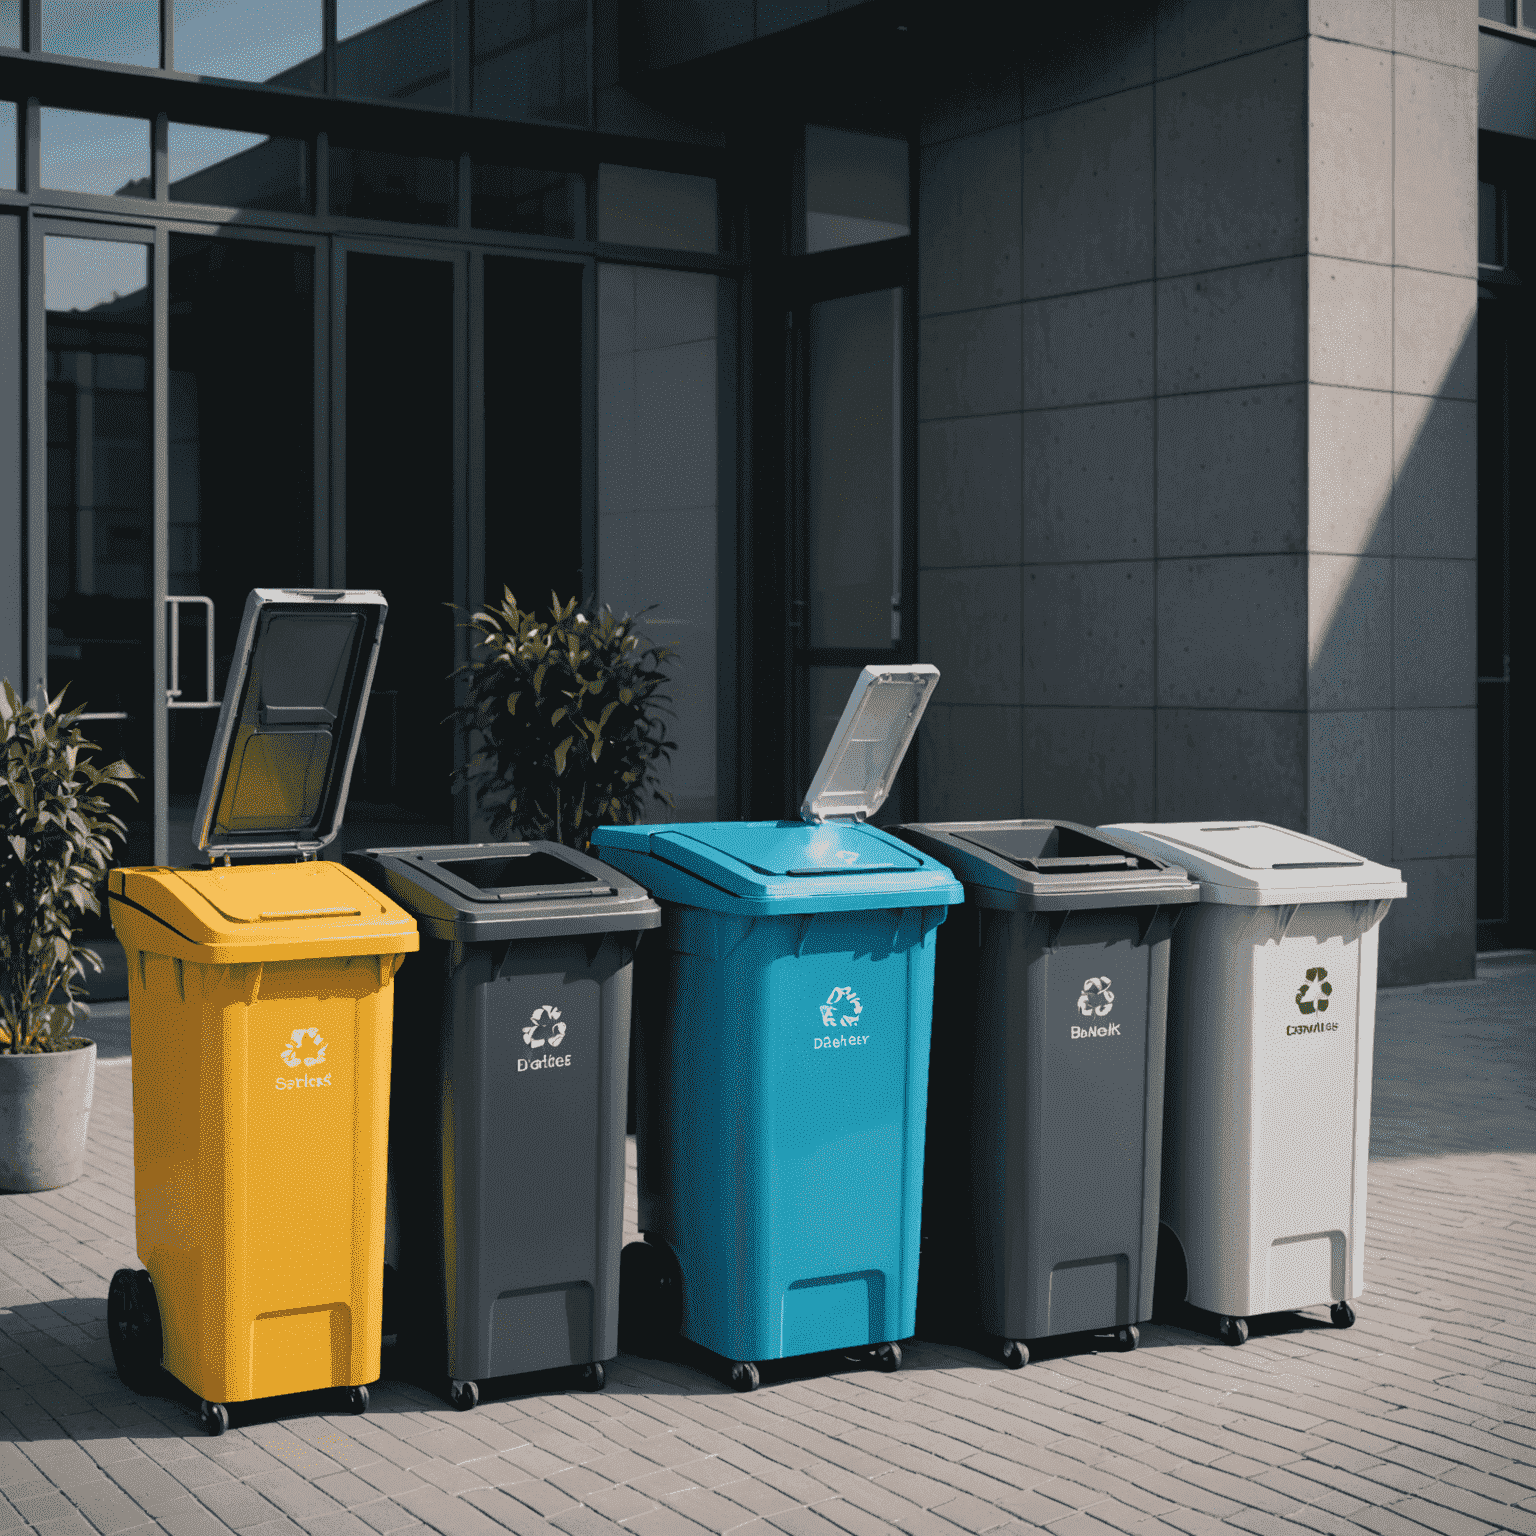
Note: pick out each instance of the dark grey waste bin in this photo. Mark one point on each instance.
(507, 1098)
(1045, 1099)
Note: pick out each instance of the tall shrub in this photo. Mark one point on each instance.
(570, 718)
(56, 840)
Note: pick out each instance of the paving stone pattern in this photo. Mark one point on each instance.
(1420, 1419)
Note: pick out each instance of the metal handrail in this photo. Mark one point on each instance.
(173, 698)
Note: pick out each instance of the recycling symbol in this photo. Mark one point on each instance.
(1097, 999)
(546, 1018)
(1325, 988)
(294, 1048)
(842, 1009)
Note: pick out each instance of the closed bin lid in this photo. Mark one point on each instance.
(490, 892)
(258, 912)
(772, 867)
(277, 777)
(1050, 866)
(1257, 864)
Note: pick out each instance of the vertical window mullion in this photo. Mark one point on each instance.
(167, 43)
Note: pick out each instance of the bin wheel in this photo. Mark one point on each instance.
(593, 1377)
(1233, 1331)
(744, 1376)
(1126, 1339)
(888, 1356)
(1341, 1315)
(464, 1395)
(213, 1417)
(650, 1300)
(1015, 1354)
(357, 1399)
(133, 1328)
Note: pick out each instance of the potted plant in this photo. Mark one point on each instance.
(569, 714)
(56, 839)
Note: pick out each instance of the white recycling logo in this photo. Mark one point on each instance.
(547, 1019)
(294, 1048)
(834, 1014)
(1097, 999)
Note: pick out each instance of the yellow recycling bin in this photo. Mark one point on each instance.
(261, 999)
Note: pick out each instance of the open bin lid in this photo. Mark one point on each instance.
(1256, 864)
(1051, 866)
(485, 892)
(277, 777)
(877, 726)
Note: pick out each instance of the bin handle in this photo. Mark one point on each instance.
(280, 917)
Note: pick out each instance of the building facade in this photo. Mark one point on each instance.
(1128, 368)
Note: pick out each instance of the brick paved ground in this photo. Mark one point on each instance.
(1421, 1419)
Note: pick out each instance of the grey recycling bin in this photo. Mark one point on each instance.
(1045, 1100)
(507, 1101)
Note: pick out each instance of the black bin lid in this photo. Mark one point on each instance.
(486, 892)
(281, 764)
(1050, 866)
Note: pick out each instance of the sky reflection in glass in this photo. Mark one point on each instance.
(114, 31)
(91, 152)
(249, 39)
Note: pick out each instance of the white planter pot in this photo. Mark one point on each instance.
(45, 1106)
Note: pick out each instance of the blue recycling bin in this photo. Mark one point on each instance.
(782, 1065)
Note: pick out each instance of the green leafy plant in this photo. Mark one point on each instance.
(56, 840)
(568, 712)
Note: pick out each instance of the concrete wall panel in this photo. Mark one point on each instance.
(1080, 54)
(1434, 783)
(1233, 329)
(1435, 155)
(1434, 638)
(1442, 30)
(970, 363)
(981, 94)
(968, 222)
(1349, 780)
(1088, 347)
(1088, 483)
(1434, 500)
(12, 543)
(1087, 176)
(1232, 472)
(1368, 22)
(1349, 471)
(1232, 763)
(1349, 161)
(970, 632)
(968, 762)
(1349, 632)
(1194, 33)
(1231, 633)
(1434, 334)
(1089, 765)
(1431, 935)
(1232, 162)
(1349, 305)
(1087, 633)
(969, 491)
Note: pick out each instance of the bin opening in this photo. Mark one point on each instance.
(497, 873)
(1054, 850)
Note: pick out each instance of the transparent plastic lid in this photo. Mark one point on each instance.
(877, 726)
(282, 756)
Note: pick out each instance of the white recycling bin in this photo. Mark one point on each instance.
(1271, 1022)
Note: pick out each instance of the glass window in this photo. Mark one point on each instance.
(238, 170)
(378, 184)
(402, 52)
(531, 60)
(8, 156)
(658, 493)
(90, 152)
(1497, 10)
(635, 207)
(855, 189)
(276, 41)
(853, 472)
(122, 32)
(525, 202)
(1491, 225)
(10, 23)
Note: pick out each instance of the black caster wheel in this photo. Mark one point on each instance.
(357, 1399)
(1015, 1354)
(1126, 1339)
(213, 1417)
(593, 1377)
(464, 1395)
(650, 1300)
(887, 1356)
(1233, 1331)
(744, 1376)
(133, 1329)
(1341, 1315)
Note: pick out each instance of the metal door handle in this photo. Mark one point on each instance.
(173, 698)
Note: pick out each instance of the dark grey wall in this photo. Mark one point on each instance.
(12, 569)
